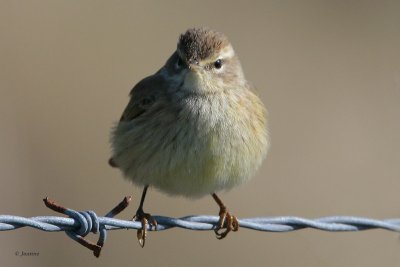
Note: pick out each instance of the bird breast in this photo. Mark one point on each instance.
(195, 145)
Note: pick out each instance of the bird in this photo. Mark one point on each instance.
(193, 128)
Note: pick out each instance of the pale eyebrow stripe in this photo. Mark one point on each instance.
(227, 52)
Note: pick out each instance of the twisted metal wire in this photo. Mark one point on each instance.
(79, 224)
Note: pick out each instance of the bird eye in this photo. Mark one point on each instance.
(218, 64)
(179, 62)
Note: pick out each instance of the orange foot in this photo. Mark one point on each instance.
(144, 218)
(225, 218)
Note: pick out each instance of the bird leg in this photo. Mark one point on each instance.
(226, 220)
(144, 218)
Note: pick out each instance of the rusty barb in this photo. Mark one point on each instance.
(78, 224)
(89, 223)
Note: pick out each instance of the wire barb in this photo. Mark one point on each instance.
(88, 223)
(78, 224)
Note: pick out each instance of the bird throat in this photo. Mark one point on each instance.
(198, 83)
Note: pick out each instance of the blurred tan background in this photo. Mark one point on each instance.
(328, 71)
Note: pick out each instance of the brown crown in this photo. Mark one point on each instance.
(200, 43)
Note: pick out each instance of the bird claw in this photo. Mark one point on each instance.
(144, 218)
(231, 222)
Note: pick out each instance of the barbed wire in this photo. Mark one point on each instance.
(81, 223)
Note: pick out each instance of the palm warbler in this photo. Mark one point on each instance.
(193, 128)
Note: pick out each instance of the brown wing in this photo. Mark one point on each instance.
(142, 97)
(132, 110)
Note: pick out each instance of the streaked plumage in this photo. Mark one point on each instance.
(195, 127)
